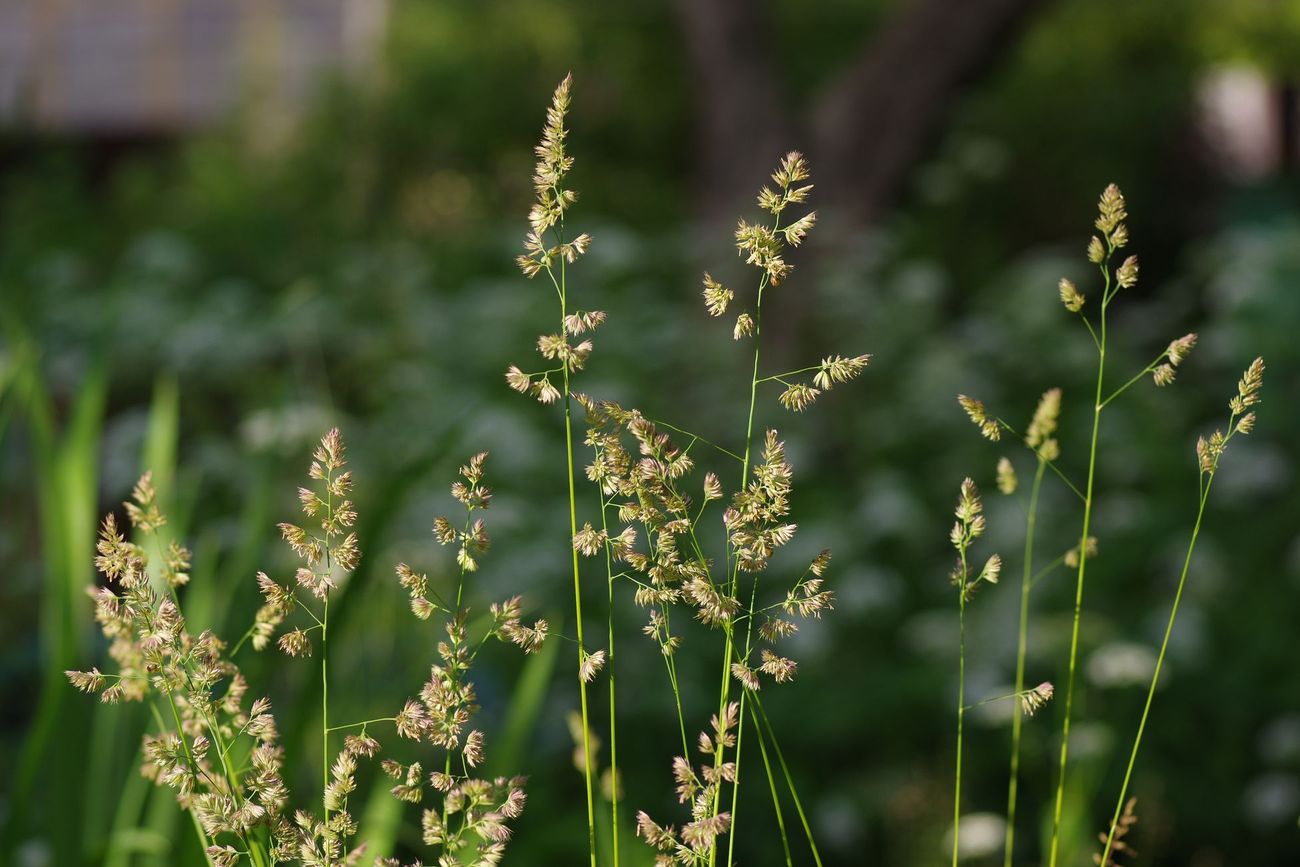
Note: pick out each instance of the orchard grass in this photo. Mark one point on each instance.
(683, 528)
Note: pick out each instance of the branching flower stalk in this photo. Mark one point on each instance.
(547, 251)
(1022, 646)
(472, 822)
(673, 567)
(968, 527)
(224, 761)
(1116, 841)
(1241, 420)
(615, 784)
(1038, 438)
(327, 558)
(237, 813)
(1101, 249)
(763, 247)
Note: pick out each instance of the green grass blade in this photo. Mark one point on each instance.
(789, 780)
(771, 785)
(67, 476)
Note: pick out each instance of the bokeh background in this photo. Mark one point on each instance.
(226, 226)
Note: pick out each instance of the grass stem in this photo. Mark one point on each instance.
(1083, 565)
(1022, 646)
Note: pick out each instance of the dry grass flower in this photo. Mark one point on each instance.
(549, 250)
(988, 426)
(221, 754)
(1039, 439)
(1209, 453)
(192, 681)
(1034, 700)
(1116, 843)
(968, 527)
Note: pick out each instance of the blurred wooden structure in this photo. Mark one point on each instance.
(157, 68)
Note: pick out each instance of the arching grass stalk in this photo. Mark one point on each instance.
(755, 511)
(771, 785)
(546, 220)
(1038, 439)
(789, 780)
(615, 782)
(1022, 645)
(676, 570)
(1208, 453)
(733, 559)
(968, 527)
(1109, 222)
(1101, 250)
(577, 600)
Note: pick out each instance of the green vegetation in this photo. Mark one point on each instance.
(206, 309)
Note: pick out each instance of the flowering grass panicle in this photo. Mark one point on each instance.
(1039, 439)
(222, 755)
(1034, 700)
(1112, 236)
(1209, 452)
(700, 787)
(757, 522)
(660, 536)
(329, 550)
(548, 250)
(968, 527)
(218, 752)
(470, 817)
(1116, 843)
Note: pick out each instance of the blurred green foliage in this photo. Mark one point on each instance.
(209, 308)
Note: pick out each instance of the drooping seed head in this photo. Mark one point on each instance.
(1007, 480)
(1071, 297)
(1179, 349)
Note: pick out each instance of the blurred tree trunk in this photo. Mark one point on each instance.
(870, 126)
(739, 109)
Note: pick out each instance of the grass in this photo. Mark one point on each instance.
(208, 740)
(1113, 236)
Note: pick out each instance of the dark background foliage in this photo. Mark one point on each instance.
(207, 302)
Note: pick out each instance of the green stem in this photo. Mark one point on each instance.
(771, 785)
(777, 376)
(325, 705)
(670, 664)
(1046, 570)
(1022, 648)
(728, 452)
(961, 707)
(247, 635)
(609, 667)
(1123, 388)
(1078, 590)
(734, 566)
(789, 781)
(735, 788)
(577, 583)
(324, 657)
(363, 723)
(1160, 660)
(1051, 465)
